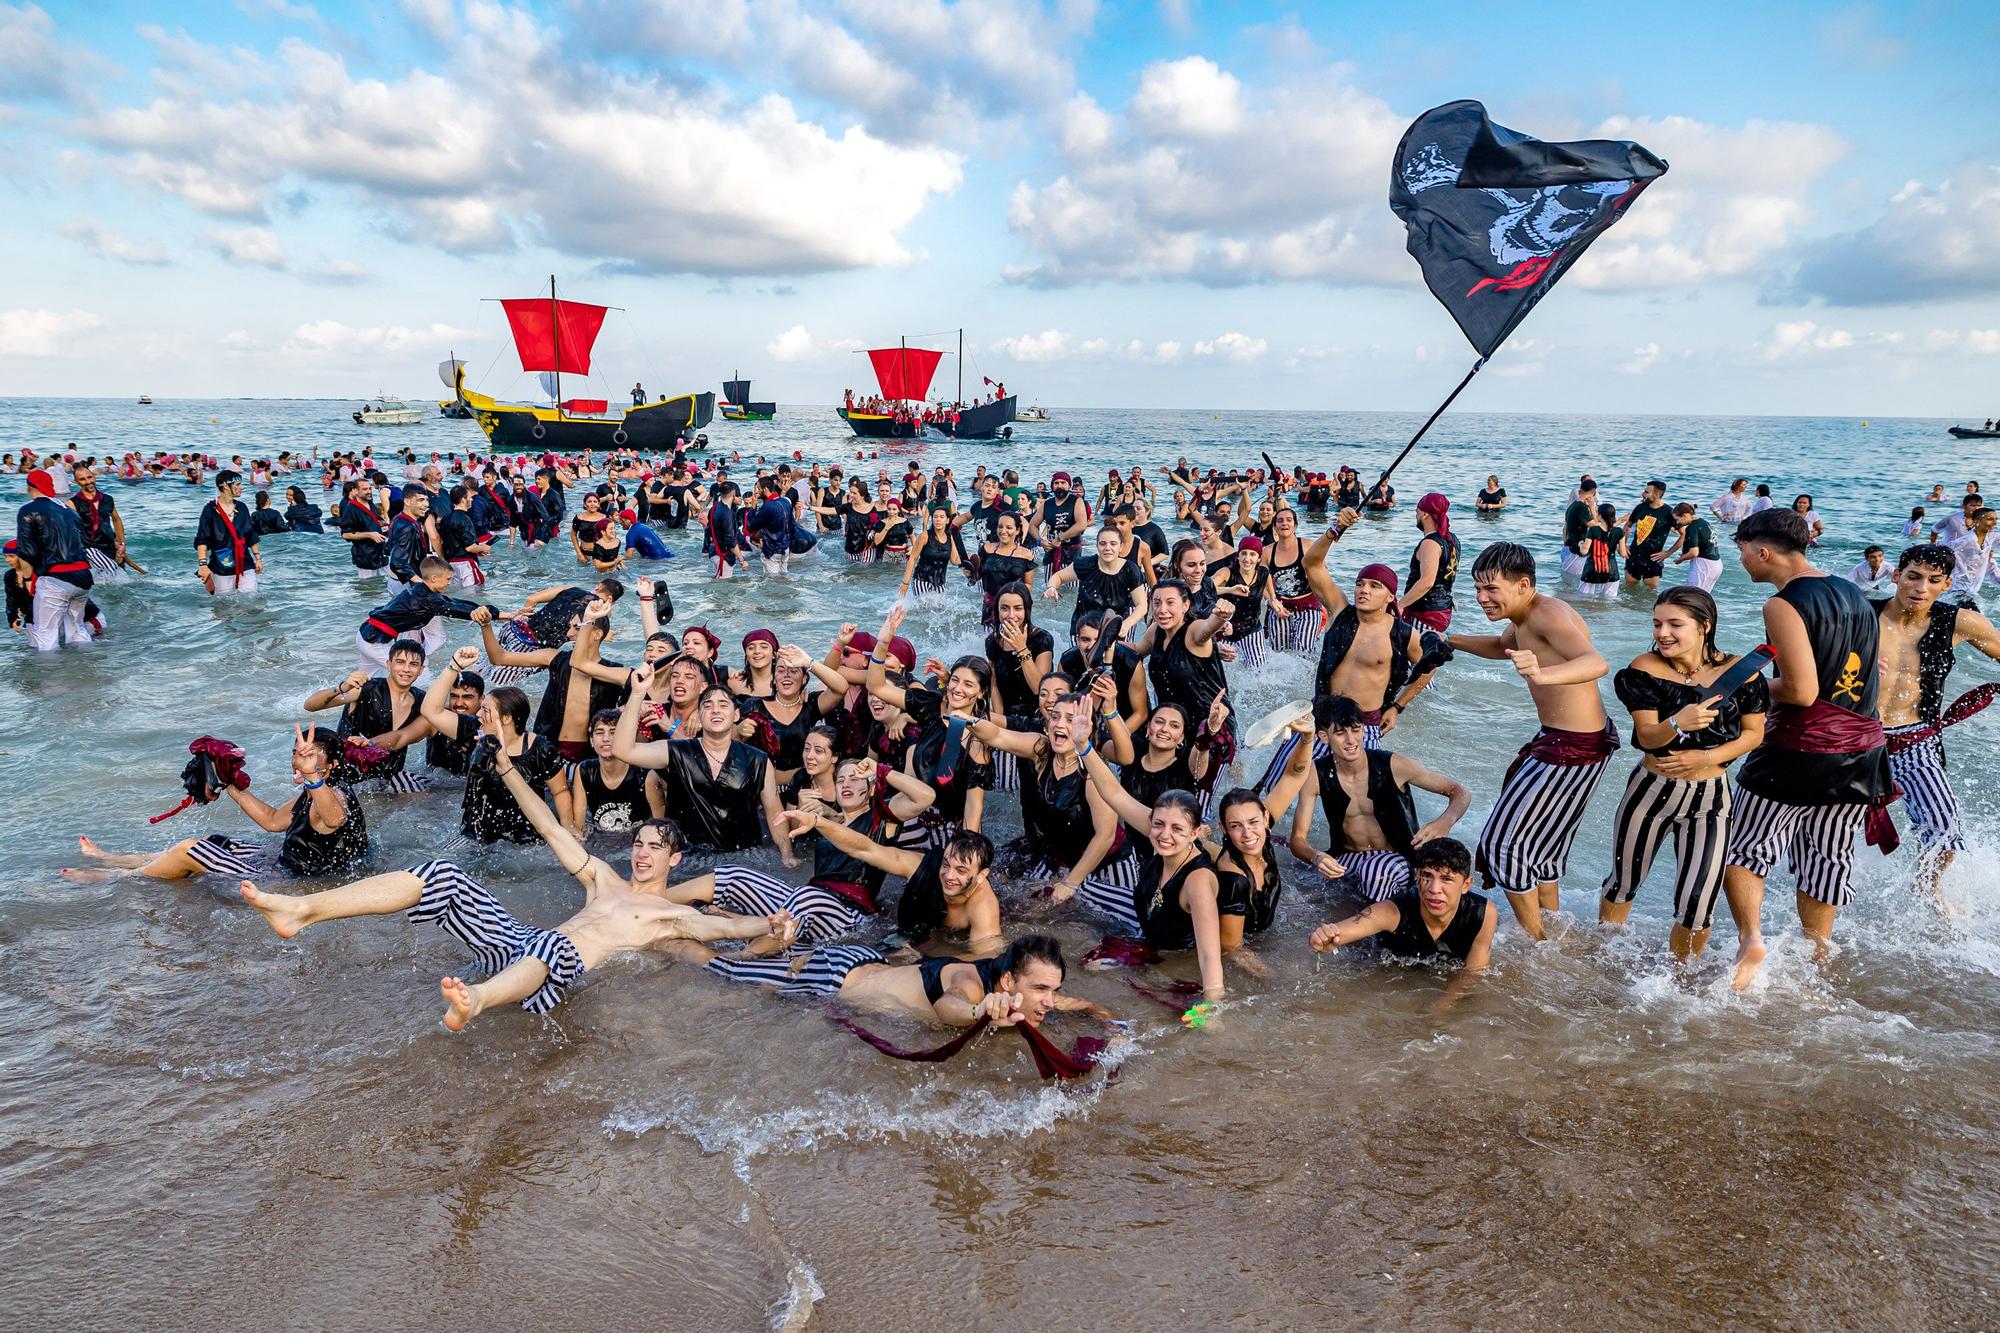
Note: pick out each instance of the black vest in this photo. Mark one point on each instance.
(1395, 808)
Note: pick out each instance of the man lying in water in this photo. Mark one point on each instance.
(1022, 985)
(1439, 918)
(526, 965)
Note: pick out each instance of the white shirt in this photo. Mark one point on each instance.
(1731, 507)
(1973, 556)
(1759, 505)
(1913, 527)
(1869, 580)
(1950, 528)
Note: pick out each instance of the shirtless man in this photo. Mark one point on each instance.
(1524, 847)
(1805, 792)
(525, 965)
(1920, 632)
(1370, 817)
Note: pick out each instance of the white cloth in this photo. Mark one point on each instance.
(1974, 556)
(1951, 527)
(58, 615)
(1731, 508)
(1703, 573)
(1759, 505)
(244, 583)
(1869, 581)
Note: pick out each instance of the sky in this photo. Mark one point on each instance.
(1175, 204)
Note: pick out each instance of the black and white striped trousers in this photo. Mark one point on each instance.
(822, 916)
(464, 908)
(1527, 838)
(820, 974)
(1697, 814)
(1109, 893)
(1816, 840)
(1927, 795)
(1296, 633)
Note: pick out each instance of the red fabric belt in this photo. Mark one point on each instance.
(392, 632)
(71, 567)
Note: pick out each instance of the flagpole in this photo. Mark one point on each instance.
(1428, 423)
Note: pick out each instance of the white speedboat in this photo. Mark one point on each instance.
(145, 400)
(380, 411)
(1035, 413)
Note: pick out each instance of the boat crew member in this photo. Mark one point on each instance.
(48, 540)
(103, 526)
(226, 558)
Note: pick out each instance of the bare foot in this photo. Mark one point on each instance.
(81, 876)
(1749, 963)
(126, 860)
(285, 913)
(462, 1003)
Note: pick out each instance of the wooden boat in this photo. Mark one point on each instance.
(555, 337)
(736, 404)
(451, 371)
(904, 374)
(1974, 433)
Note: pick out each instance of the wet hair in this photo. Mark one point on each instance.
(1173, 585)
(227, 477)
(331, 748)
(1187, 722)
(1783, 528)
(1184, 801)
(1446, 854)
(511, 703)
(603, 717)
(1683, 508)
(969, 845)
(406, 648)
(1657, 485)
(1505, 560)
(1585, 486)
(1764, 489)
(1019, 589)
(611, 588)
(470, 680)
(1697, 603)
(722, 690)
(982, 671)
(1338, 712)
(1236, 796)
(1034, 949)
(1608, 512)
(1916, 512)
(670, 833)
(1125, 511)
(434, 564)
(1871, 550)
(1801, 496)
(827, 734)
(1180, 549)
(1972, 501)
(293, 495)
(1978, 514)
(1930, 556)
(263, 499)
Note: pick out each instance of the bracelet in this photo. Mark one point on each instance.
(878, 661)
(1084, 751)
(645, 599)
(313, 786)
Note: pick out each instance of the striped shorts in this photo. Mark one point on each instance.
(232, 856)
(1006, 770)
(1927, 795)
(1817, 841)
(1295, 633)
(104, 568)
(926, 835)
(814, 975)
(404, 783)
(1252, 650)
(1527, 838)
(1109, 892)
(822, 916)
(1377, 876)
(1697, 813)
(465, 910)
(514, 640)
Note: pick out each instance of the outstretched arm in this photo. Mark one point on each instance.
(894, 860)
(625, 743)
(570, 853)
(1123, 804)
(1457, 798)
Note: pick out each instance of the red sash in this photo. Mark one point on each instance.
(367, 513)
(235, 542)
(1822, 728)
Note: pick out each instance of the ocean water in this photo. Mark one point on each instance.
(202, 1125)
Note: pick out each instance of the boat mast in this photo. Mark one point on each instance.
(555, 342)
(903, 341)
(961, 367)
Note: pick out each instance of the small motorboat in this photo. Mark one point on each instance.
(382, 411)
(145, 400)
(1035, 413)
(1974, 433)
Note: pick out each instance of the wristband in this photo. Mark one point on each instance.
(313, 786)
(878, 661)
(1084, 751)
(645, 599)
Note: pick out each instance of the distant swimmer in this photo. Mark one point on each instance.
(1525, 845)
(1650, 535)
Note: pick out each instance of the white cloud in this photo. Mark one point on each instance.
(1518, 358)
(108, 244)
(1852, 35)
(1048, 345)
(330, 337)
(239, 340)
(250, 247)
(1643, 360)
(336, 272)
(1731, 204)
(43, 333)
(796, 345)
(34, 63)
(642, 174)
(1234, 347)
(1193, 98)
(1167, 353)
(1802, 337)
(1929, 244)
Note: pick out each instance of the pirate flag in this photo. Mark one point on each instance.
(1496, 218)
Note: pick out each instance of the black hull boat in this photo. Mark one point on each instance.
(736, 404)
(650, 429)
(983, 422)
(880, 425)
(1974, 433)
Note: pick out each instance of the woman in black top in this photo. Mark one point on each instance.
(1681, 786)
(1004, 561)
(934, 552)
(1070, 832)
(1493, 498)
(1021, 653)
(1245, 581)
(301, 514)
(490, 813)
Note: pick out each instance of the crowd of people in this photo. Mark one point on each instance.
(1142, 802)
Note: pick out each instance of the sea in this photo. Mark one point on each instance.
(202, 1126)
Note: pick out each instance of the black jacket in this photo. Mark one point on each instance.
(48, 537)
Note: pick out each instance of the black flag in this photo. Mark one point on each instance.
(1496, 218)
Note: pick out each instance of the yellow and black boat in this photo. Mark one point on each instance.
(556, 337)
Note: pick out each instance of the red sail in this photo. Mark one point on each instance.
(595, 407)
(905, 372)
(533, 321)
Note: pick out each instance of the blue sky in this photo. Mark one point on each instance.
(1124, 204)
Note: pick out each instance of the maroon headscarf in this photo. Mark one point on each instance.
(1437, 506)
